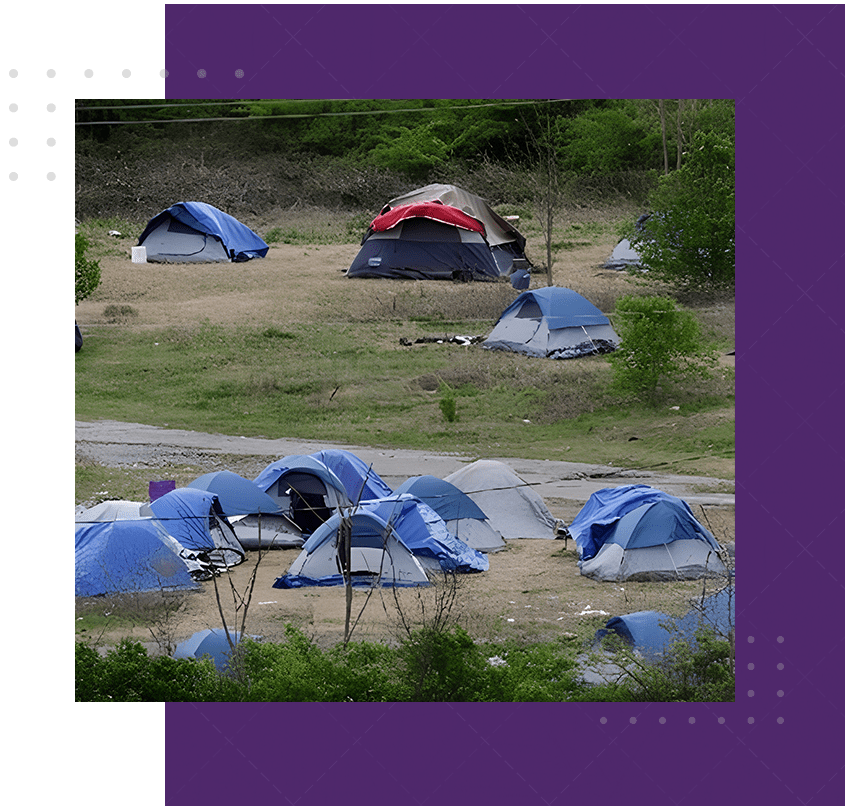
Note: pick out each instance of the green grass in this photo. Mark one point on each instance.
(354, 383)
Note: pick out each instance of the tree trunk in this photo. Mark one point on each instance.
(680, 134)
(662, 111)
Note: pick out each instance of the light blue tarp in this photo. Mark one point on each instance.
(240, 242)
(126, 556)
(601, 520)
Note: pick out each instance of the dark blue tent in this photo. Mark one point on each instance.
(640, 533)
(198, 232)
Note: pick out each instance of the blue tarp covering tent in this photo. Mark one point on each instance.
(198, 232)
(552, 322)
(257, 520)
(424, 532)
(637, 532)
(127, 556)
(463, 517)
(361, 481)
(195, 519)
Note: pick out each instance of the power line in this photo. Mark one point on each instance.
(295, 115)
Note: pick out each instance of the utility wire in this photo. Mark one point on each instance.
(294, 115)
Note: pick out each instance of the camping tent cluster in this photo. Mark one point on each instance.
(392, 536)
(439, 232)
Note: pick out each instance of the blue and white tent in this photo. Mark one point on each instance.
(640, 533)
(198, 232)
(211, 643)
(128, 556)
(463, 517)
(552, 322)
(257, 520)
(395, 541)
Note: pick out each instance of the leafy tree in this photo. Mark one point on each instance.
(690, 238)
(660, 342)
(87, 271)
(413, 151)
(604, 141)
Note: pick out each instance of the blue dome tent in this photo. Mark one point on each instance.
(305, 488)
(461, 515)
(257, 520)
(552, 322)
(640, 533)
(198, 232)
(361, 481)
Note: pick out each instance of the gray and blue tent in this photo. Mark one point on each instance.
(198, 232)
(394, 542)
(640, 533)
(257, 520)
(463, 517)
(127, 556)
(305, 488)
(552, 322)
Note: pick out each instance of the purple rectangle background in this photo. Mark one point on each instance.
(782, 741)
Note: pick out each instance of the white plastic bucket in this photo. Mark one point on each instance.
(138, 255)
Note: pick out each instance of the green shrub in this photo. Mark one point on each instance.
(447, 404)
(128, 674)
(87, 272)
(660, 343)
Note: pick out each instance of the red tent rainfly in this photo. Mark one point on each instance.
(436, 210)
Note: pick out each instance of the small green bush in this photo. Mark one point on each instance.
(447, 404)
(87, 272)
(660, 343)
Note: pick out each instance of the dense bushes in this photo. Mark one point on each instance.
(429, 665)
